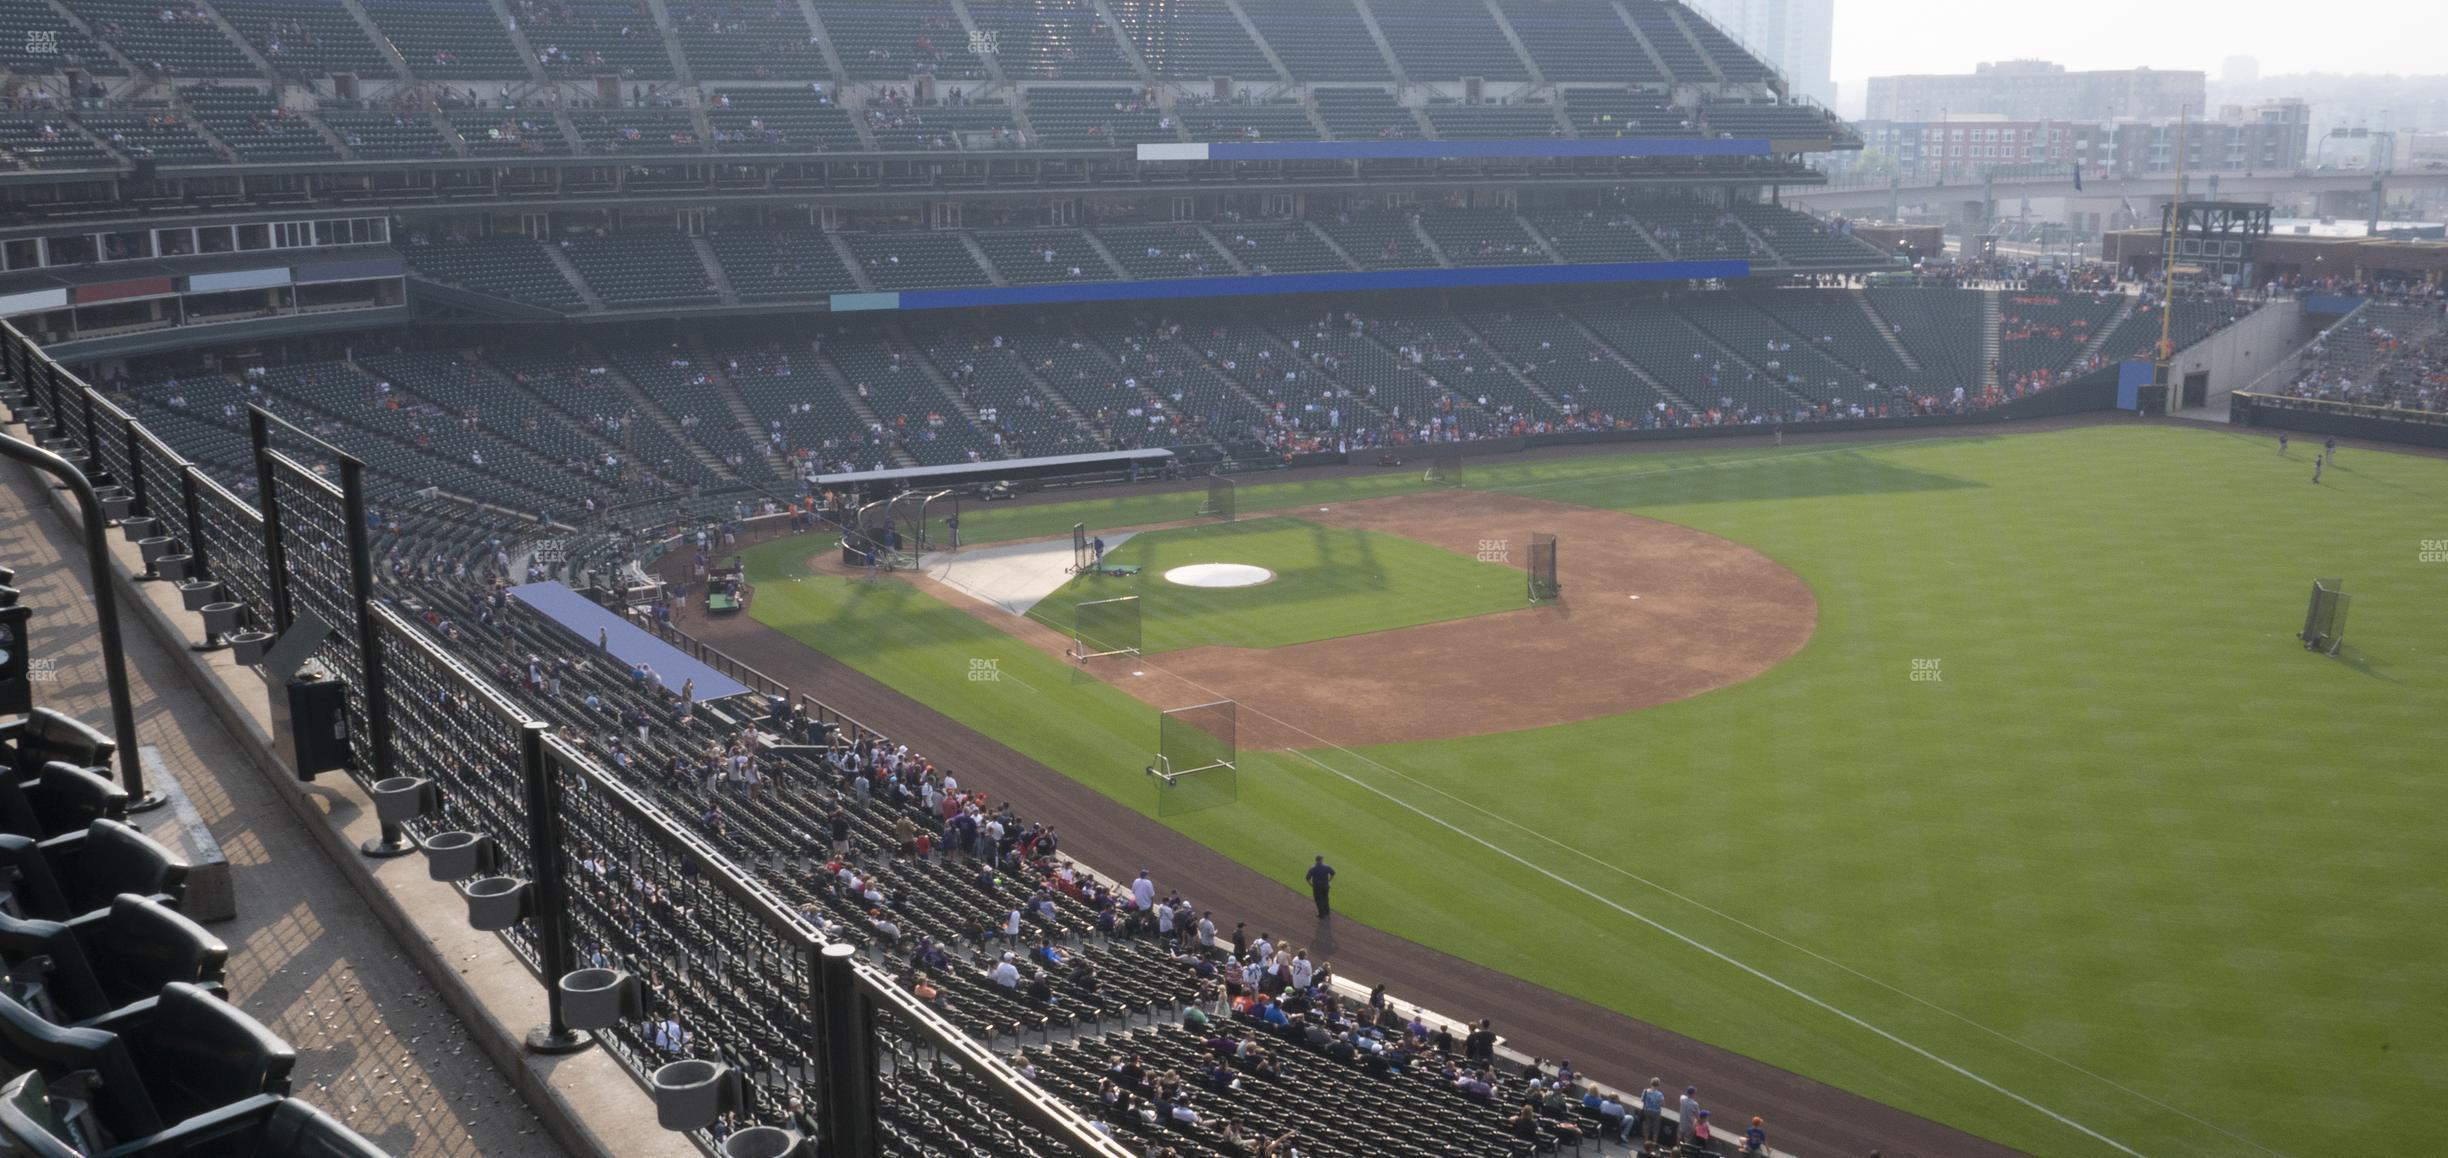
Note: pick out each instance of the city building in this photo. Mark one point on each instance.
(1796, 36)
(2036, 90)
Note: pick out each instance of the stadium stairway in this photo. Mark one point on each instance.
(732, 400)
(1992, 320)
(713, 266)
(1886, 332)
(1608, 347)
(651, 411)
(859, 406)
(2098, 345)
(561, 262)
(1420, 230)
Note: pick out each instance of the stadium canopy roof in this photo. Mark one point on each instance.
(628, 643)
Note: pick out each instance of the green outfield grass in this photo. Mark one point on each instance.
(1329, 581)
(2135, 865)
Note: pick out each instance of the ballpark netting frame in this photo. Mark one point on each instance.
(1444, 468)
(2324, 627)
(1103, 627)
(1197, 757)
(1222, 502)
(1544, 584)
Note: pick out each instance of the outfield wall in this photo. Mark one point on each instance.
(2345, 422)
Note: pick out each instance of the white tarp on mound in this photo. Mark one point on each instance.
(1012, 576)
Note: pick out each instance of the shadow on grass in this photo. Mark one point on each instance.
(2360, 662)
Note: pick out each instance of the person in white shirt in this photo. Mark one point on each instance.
(1005, 973)
(1143, 892)
(1302, 970)
(1206, 930)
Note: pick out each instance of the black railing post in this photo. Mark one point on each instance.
(846, 1101)
(192, 497)
(135, 457)
(93, 432)
(361, 592)
(545, 860)
(276, 563)
(106, 612)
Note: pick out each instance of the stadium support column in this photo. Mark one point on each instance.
(846, 1104)
(1895, 195)
(2371, 221)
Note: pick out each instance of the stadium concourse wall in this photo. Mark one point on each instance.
(2317, 416)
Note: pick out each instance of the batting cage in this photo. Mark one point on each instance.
(1220, 504)
(1444, 468)
(1544, 585)
(1197, 758)
(1103, 627)
(2324, 628)
(1080, 560)
(939, 521)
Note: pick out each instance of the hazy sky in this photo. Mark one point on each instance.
(1878, 37)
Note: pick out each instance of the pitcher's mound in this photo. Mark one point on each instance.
(1219, 575)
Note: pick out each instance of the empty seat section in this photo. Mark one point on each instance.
(905, 398)
(747, 39)
(1801, 239)
(506, 133)
(187, 44)
(387, 136)
(1044, 255)
(1684, 359)
(912, 259)
(1684, 64)
(1783, 356)
(1694, 231)
(779, 120)
(637, 269)
(1279, 247)
(450, 39)
(256, 126)
(1595, 235)
(1103, 118)
(1443, 40)
(1016, 416)
(1379, 238)
(784, 386)
(645, 132)
(1551, 351)
(763, 264)
(1932, 323)
(1164, 251)
(1615, 112)
(1482, 237)
(1739, 67)
(896, 41)
(162, 135)
(1503, 122)
(583, 39)
(49, 141)
(1580, 40)
(982, 125)
(1832, 322)
(1766, 120)
(511, 267)
(1051, 40)
(1360, 114)
(68, 47)
(1191, 38)
(306, 38)
(1246, 121)
(1319, 42)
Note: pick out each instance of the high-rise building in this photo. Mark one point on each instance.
(2036, 90)
(1798, 37)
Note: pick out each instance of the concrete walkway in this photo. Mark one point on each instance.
(376, 1048)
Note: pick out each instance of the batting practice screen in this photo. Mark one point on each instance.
(1444, 468)
(1197, 757)
(1219, 499)
(1544, 585)
(1079, 548)
(1103, 627)
(2324, 628)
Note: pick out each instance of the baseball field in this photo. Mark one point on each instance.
(1982, 776)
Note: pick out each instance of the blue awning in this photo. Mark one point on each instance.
(630, 644)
